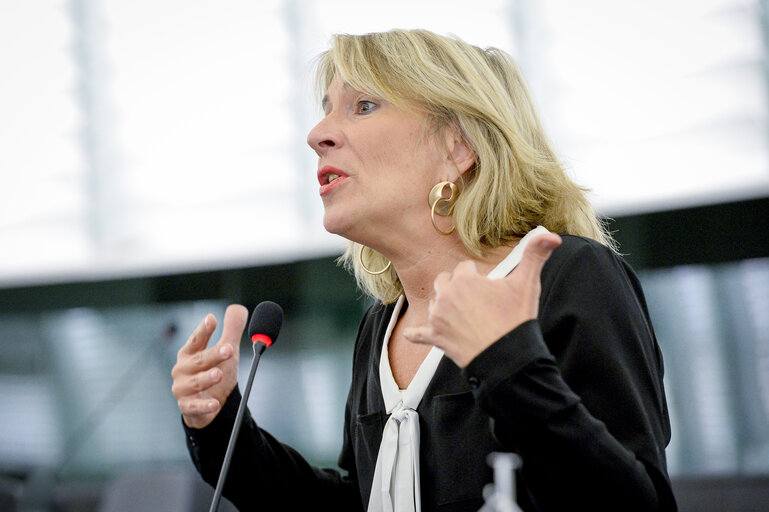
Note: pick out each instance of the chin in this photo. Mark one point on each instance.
(336, 224)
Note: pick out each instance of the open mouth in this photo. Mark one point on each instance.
(328, 177)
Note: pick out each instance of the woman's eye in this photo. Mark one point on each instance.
(364, 107)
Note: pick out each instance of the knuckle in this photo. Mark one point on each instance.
(465, 268)
(440, 302)
(196, 385)
(187, 408)
(198, 361)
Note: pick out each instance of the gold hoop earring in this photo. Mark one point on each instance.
(363, 265)
(443, 206)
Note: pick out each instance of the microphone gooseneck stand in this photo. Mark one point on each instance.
(236, 428)
(263, 330)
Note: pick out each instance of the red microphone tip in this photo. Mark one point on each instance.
(262, 338)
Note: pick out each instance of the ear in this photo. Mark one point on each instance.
(461, 155)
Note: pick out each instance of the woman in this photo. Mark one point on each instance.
(433, 164)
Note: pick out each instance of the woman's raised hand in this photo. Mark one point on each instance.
(469, 311)
(205, 377)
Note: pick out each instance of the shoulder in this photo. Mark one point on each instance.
(575, 250)
(581, 260)
(585, 275)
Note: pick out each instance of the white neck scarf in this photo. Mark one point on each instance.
(396, 476)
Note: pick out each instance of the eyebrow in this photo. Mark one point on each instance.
(326, 101)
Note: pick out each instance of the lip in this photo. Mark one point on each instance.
(325, 171)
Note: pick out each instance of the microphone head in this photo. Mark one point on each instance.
(265, 323)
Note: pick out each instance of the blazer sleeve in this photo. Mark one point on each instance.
(265, 474)
(578, 392)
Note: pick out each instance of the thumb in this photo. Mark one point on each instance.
(235, 318)
(535, 255)
(421, 334)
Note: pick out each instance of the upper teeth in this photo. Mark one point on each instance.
(332, 177)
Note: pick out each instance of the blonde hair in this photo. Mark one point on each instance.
(517, 182)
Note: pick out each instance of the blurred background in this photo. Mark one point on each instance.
(154, 168)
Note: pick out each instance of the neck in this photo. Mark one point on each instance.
(421, 263)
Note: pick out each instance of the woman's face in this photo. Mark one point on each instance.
(375, 165)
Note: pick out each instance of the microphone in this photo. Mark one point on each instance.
(263, 330)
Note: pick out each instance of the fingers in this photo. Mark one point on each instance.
(466, 267)
(198, 340)
(235, 318)
(441, 281)
(203, 376)
(195, 368)
(423, 334)
(547, 242)
(197, 412)
(535, 255)
(191, 382)
(191, 363)
(463, 269)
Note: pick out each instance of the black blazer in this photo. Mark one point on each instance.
(578, 393)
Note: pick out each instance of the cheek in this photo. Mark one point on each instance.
(398, 159)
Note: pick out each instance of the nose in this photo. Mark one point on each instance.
(324, 136)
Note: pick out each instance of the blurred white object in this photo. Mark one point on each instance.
(500, 496)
